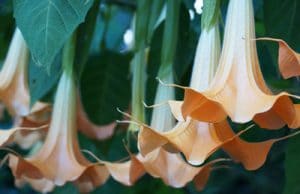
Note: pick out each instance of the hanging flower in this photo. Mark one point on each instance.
(196, 140)
(13, 86)
(156, 143)
(238, 88)
(59, 159)
(15, 95)
(288, 59)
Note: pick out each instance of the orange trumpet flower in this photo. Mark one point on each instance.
(238, 88)
(196, 140)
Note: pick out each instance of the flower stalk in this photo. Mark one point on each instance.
(138, 63)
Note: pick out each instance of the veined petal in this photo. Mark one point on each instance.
(238, 88)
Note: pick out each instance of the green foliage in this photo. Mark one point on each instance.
(286, 27)
(105, 86)
(47, 24)
(40, 81)
(292, 166)
(287, 21)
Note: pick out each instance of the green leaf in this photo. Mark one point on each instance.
(85, 34)
(40, 81)
(210, 13)
(105, 85)
(47, 24)
(292, 162)
(6, 27)
(282, 20)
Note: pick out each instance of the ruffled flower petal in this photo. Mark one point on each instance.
(288, 59)
(251, 154)
(127, 172)
(173, 170)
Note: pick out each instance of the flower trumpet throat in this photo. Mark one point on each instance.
(13, 85)
(206, 58)
(162, 118)
(238, 88)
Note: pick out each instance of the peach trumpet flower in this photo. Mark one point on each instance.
(60, 160)
(13, 86)
(14, 92)
(196, 140)
(238, 88)
(159, 162)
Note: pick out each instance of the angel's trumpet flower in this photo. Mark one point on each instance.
(14, 93)
(288, 59)
(196, 140)
(238, 88)
(170, 167)
(13, 85)
(59, 159)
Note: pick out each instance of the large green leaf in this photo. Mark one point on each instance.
(282, 20)
(105, 85)
(40, 81)
(47, 24)
(85, 35)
